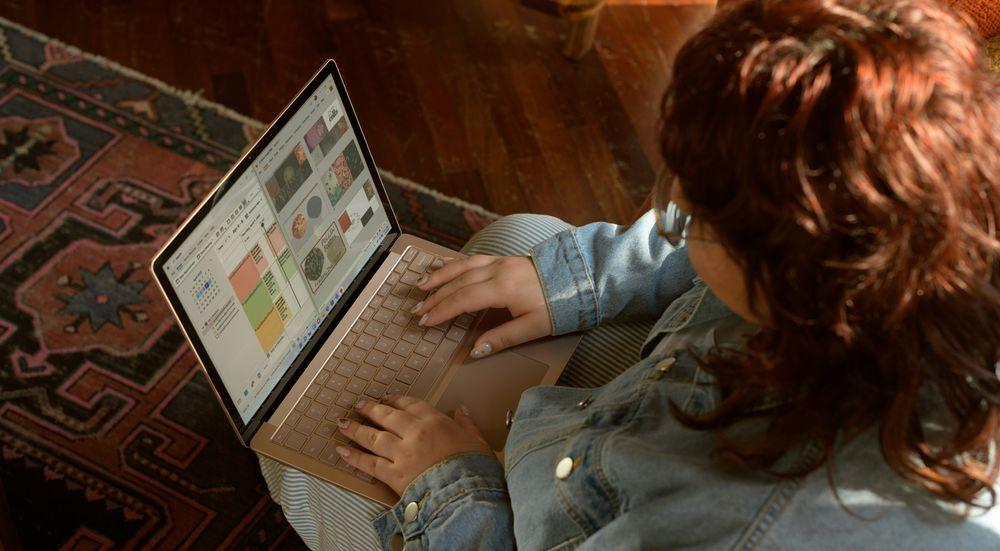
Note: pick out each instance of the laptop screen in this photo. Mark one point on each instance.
(276, 250)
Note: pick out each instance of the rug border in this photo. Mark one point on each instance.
(195, 98)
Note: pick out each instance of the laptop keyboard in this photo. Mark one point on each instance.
(384, 352)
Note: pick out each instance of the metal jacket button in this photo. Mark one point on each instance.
(410, 513)
(509, 420)
(585, 402)
(564, 468)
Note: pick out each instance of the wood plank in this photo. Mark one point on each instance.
(470, 98)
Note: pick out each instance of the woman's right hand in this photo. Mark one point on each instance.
(481, 282)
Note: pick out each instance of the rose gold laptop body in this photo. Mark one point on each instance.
(489, 387)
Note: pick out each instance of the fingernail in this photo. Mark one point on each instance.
(421, 281)
(484, 349)
(416, 307)
(344, 452)
(423, 319)
(465, 410)
(343, 423)
(360, 403)
(447, 259)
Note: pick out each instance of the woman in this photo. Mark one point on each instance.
(826, 371)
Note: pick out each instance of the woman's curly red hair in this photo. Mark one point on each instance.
(847, 154)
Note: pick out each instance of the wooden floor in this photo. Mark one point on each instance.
(470, 97)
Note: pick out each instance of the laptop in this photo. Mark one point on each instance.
(292, 282)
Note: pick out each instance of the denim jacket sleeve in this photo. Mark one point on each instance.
(460, 503)
(603, 272)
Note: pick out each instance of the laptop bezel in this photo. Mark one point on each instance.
(246, 430)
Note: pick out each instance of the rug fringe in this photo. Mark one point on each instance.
(189, 97)
(406, 182)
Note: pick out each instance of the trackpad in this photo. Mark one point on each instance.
(489, 387)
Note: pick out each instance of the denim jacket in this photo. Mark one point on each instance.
(611, 468)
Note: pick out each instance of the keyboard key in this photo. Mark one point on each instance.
(367, 314)
(346, 400)
(394, 362)
(401, 318)
(366, 371)
(398, 388)
(311, 391)
(383, 315)
(346, 369)
(392, 279)
(465, 320)
(281, 434)
(416, 362)
(306, 425)
(314, 446)
(437, 263)
(456, 333)
(330, 455)
(321, 377)
(401, 291)
(316, 411)
(365, 342)
(336, 412)
(349, 339)
(358, 327)
(336, 383)
(326, 397)
(409, 254)
(410, 278)
(374, 328)
(342, 465)
(407, 376)
(439, 360)
(302, 406)
(357, 386)
(408, 304)
(400, 268)
(385, 376)
(434, 335)
(375, 390)
(416, 294)
(412, 334)
(295, 440)
(424, 348)
(403, 348)
(292, 419)
(393, 331)
(356, 355)
(384, 291)
(422, 261)
(392, 302)
(385, 344)
(340, 352)
(326, 429)
(375, 358)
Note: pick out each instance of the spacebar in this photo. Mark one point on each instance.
(433, 369)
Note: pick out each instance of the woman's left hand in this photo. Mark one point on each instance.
(408, 437)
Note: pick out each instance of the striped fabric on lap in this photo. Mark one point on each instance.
(327, 517)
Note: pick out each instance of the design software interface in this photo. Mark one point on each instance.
(273, 255)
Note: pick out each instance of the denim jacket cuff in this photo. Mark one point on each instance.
(440, 489)
(566, 283)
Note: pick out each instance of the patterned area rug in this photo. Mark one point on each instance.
(109, 435)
